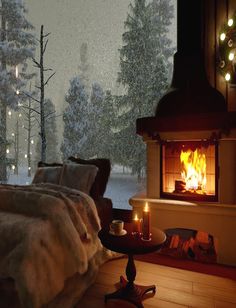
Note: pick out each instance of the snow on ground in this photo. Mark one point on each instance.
(120, 188)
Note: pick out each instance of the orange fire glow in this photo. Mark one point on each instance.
(194, 170)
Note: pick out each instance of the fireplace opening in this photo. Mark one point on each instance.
(189, 170)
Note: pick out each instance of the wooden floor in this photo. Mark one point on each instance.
(176, 288)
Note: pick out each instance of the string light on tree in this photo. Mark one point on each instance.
(227, 50)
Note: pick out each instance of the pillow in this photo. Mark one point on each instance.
(104, 168)
(47, 175)
(77, 176)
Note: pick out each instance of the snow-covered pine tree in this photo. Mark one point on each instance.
(93, 134)
(51, 135)
(144, 72)
(75, 117)
(16, 46)
(84, 65)
(106, 146)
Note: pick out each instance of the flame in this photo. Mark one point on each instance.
(146, 208)
(194, 170)
(136, 217)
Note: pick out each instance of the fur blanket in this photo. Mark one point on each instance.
(48, 234)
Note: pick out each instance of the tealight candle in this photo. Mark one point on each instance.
(146, 223)
(136, 225)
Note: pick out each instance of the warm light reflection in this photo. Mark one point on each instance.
(194, 170)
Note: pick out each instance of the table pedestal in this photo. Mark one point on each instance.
(130, 291)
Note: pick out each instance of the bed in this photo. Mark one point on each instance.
(49, 246)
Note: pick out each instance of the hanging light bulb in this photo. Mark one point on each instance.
(231, 56)
(17, 92)
(29, 168)
(9, 113)
(222, 36)
(7, 151)
(20, 115)
(32, 141)
(227, 76)
(230, 22)
(13, 167)
(12, 134)
(25, 155)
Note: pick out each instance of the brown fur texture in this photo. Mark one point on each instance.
(49, 243)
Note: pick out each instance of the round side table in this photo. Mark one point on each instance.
(131, 245)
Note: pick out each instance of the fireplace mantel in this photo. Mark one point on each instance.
(153, 126)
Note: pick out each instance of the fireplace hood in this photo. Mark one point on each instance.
(190, 92)
(191, 103)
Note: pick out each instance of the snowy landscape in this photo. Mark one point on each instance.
(74, 80)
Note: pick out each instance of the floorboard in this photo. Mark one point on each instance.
(176, 288)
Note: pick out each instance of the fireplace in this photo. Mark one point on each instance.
(189, 170)
(191, 118)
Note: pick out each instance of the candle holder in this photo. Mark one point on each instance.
(146, 238)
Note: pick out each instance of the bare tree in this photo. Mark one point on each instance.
(43, 41)
(30, 122)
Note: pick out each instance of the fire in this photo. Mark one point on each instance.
(194, 170)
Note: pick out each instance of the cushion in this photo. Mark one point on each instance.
(104, 168)
(47, 175)
(78, 176)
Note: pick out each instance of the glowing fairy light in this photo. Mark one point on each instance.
(231, 56)
(230, 22)
(227, 76)
(17, 72)
(222, 36)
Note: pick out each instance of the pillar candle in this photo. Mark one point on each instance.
(136, 224)
(146, 223)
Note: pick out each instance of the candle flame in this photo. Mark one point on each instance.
(136, 217)
(146, 208)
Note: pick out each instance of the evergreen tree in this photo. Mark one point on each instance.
(93, 134)
(106, 146)
(144, 73)
(84, 66)
(16, 46)
(75, 119)
(51, 134)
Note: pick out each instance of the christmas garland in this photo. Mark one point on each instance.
(227, 50)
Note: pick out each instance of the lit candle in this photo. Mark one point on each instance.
(136, 225)
(146, 223)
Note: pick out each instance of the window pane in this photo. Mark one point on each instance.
(112, 62)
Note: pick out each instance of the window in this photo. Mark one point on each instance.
(112, 62)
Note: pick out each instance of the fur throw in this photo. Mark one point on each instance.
(48, 234)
